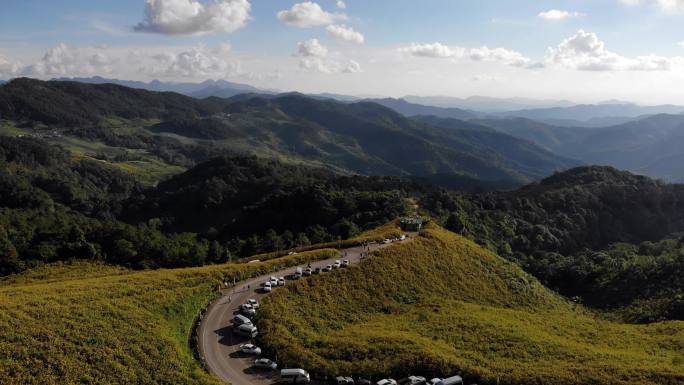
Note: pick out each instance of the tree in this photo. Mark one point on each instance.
(271, 241)
(9, 258)
(302, 240)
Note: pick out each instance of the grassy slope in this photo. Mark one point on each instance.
(148, 168)
(93, 324)
(441, 304)
(87, 323)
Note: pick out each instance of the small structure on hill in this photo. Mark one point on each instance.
(412, 223)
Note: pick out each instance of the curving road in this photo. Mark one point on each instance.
(221, 348)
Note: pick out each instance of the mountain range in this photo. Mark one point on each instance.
(362, 137)
(486, 104)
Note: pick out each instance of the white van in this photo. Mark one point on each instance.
(246, 330)
(455, 380)
(294, 376)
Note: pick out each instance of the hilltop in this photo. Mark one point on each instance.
(442, 305)
(608, 237)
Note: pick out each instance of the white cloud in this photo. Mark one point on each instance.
(311, 48)
(315, 56)
(586, 52)
(63, 60)
(432, 50)
(484, 53)
(8, 69)
(342, 32)
(196, 62)
(671, 7)
(557, 14)
(341, 4)
(191, 17)
(308, 14)
(502, 55)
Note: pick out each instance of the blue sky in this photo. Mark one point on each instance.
(573, 49)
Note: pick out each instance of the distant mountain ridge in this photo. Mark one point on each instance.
(204, 89)
(653, 145)
(361, 137)
(411, 109)
(585, 112)
(485, 103)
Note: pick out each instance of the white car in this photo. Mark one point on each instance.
(337, 264)
(274, 281)
(265, 363)
(327, 268)
(253, 302)
(250, 349)
(281, 281)
(267, 287)
(386, 241)
(345, 263)
(247, 310)
(386, 381)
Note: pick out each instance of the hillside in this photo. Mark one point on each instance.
(607, 237)
(441, 305)
(56, 206)
(411, 109)
(360, 137)
(89, 323)
(584, 112)
(651, 145)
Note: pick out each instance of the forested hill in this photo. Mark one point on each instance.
(227, 198)
(360, 137)
(64, 104)
(55, 207)
(607, 236)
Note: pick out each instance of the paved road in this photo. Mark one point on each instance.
(221, 348)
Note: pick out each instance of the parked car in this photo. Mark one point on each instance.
(345, 263)
(307, 272)
(435, 381)
(274, 281)
(240, 319)
(386, 241)
(386, 381)
(247, 310)
(317, 270)
(413, 380)
(267, 287)
(337, 264)
(344, 380)
(246, 330)
(453, 380)
(295, 376)
(327, 268)
(253, 302)
(265, 363)
(250, 349)
(281, 281)
(364, 381)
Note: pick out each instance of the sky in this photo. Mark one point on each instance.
(579, 50)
